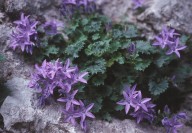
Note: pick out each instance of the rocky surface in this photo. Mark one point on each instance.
(21, 115)
(19, 110)
(153, 16)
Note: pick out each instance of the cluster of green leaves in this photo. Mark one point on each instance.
(100, 47)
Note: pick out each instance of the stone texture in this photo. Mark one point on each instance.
(155, 14)
(26, 5)
(176, 13)
(21, 115)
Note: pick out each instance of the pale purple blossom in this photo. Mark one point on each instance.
(70, 115)
(69, 99)
(24, 35)
(168, 39)
(143, 108)
(83, 112)
(79, 112)
(175, 48)
(51, 75)
(172, 124)
(129, 95)
(148, 113)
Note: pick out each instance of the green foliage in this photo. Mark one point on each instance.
(2, 58)
(158, 88)
(104, 54)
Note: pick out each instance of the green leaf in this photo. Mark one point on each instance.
(84, 21)
(98, 48)
(158, 88)
(74, 48)
(94, 67)
(97, 105)
(117, 33)
(144, 47)
(183, 39)
(2, 58)
(116, 58)
(94, 26)
(51, 50)
(142, 64)
(95, 37)
(131, 31)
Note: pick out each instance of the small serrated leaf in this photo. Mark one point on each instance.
(95, 37)
(158, 88)
(51, 50)
(141, 64)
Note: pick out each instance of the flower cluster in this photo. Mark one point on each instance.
(54, 75)
(69, 7)
(143, 108)
(24, 34)
(138, 3)
(52, 27)
(168, 38)
(78, 112)
(172, 123)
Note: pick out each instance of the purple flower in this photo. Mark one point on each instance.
(168, 39)
(67, 69)
(52, 27)
(175, 48)
(51, 75)
(24, 34)
(162, 41)
(143, 108)
(79, 112)
(129, 95)
(83, 112)
(141, 114)
(169, 32)
(140, 103)
(70, 115)
(173, 123)
(138, 3)
(69, 100)
(80, 77)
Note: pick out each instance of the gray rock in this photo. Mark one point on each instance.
(157, 13)
(25, 5)
(21, 115)
(176, 13)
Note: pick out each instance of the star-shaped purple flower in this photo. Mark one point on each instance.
(175, 48)
(24, 34)
(84, 112)
(129, 95)
(172, 124)
(69, 100)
